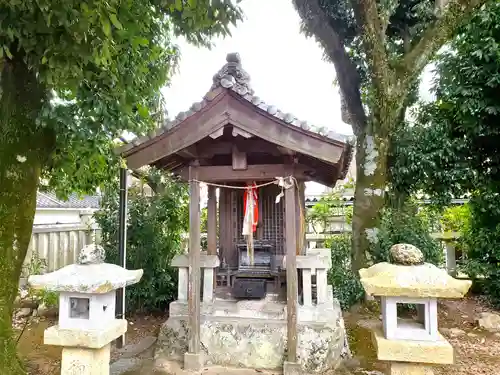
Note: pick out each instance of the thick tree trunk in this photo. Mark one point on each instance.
(371, 182)
(23, 150)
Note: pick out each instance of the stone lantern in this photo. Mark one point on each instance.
(87, 323)
(411, 345)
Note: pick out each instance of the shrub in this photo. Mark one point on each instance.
(155, 224)
(406, 225)
(456, 219)
(346, 286)
(482, 241)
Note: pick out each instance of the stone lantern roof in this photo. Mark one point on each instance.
(91, 275)
(406, 279)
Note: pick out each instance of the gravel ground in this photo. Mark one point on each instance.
(46, 360)
(476, 352)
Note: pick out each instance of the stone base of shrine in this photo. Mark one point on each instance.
(253, 334)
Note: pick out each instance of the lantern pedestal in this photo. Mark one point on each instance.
(85, 351)
(85, 361)
(412, 357)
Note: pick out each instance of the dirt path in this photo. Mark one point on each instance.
(476, 351)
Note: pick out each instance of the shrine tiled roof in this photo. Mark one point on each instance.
(233, 77)
(49, 199)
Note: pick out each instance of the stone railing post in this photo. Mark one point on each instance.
(324, 263)
(318, 262)
(207, 265)
(306, 287)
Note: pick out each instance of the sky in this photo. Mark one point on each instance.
(286, 68)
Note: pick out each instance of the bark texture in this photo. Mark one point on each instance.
(369, 195)
(24, 148)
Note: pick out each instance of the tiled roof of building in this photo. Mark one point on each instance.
(50, 200)
(232, 76)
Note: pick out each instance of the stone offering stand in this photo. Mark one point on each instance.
(411, 346)
(87, 323)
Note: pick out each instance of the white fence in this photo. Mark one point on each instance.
(56, 246)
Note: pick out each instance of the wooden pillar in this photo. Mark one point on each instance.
(291, 271)
(222, 225)
(301, 217)
(211, 229)
(194, 263)
(212, 221)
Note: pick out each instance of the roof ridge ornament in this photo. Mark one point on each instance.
(233, 76)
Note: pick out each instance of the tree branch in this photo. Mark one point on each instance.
(386, 10)
(367, 16)
(317, 23)
(452, 14)
(439, 6)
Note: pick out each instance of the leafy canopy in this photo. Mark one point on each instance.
(101, 65)
(454, 148)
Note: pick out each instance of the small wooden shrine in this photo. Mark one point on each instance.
(257, 158)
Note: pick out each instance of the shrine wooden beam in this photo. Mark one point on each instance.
(207, 150)
(239, 159)
(189, 152)
(259, 172)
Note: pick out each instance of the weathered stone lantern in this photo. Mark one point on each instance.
(411, 345)
(87, 322)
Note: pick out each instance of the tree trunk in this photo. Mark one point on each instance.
(24, 148)
(371, 182)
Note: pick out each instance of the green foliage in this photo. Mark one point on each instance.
(456, 219)
(330, 205)
(38, 266)
(406, 225)
(75, 75)
(346, 286)
(454, 148)
(100, 71)
(154, 229)
(406, 22)
(482, 241)
(47, 298)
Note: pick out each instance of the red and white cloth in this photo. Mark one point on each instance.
(250, 210)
